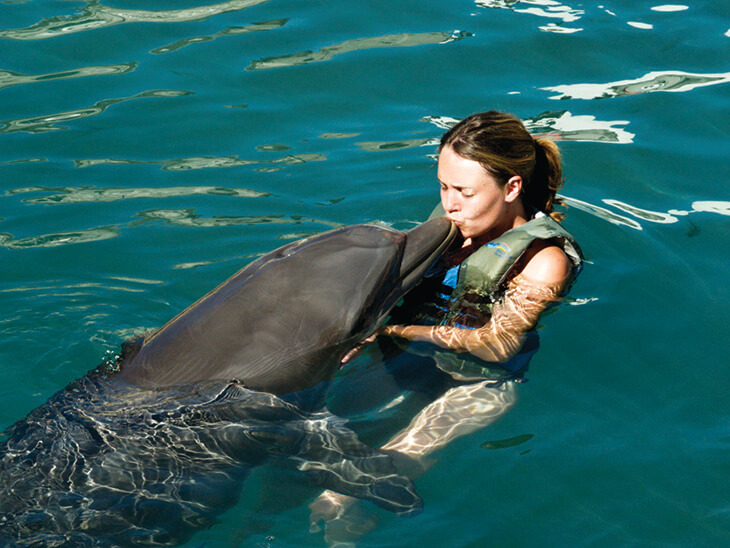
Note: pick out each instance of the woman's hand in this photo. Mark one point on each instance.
(515, 314)
(358, 348)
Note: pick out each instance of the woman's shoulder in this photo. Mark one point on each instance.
(546, 263)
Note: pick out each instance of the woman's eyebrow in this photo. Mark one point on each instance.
(457, 186)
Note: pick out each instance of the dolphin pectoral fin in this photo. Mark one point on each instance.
(335, 459)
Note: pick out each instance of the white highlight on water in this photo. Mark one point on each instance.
(670, 8)
(636, 24)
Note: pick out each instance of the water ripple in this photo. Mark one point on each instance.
(558, 125)
(639, 213)
(47, 122)
(96, 16)
(562, 125)
(58, 238)
(230, 31)
(188, 218)
(671, 80)
(327, 53)
(207, 162)
(670, 217)
(9, 78)
(77, 195)
(23, 161)
(550, 9)
(601, 212)
(378, 146)
(80, 288)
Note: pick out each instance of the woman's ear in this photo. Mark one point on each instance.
(513, 188)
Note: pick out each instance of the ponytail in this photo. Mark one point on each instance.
(504, 148)
(546, 179)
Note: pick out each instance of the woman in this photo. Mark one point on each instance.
(474, 314)
(494, 178)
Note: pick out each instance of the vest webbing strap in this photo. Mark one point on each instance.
(488, 266)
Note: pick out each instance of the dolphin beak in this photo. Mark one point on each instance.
(424, 244)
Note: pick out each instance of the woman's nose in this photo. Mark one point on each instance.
(449, 201)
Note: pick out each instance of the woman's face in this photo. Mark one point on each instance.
(472, 198)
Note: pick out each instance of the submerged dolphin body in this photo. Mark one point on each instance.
(150, 448)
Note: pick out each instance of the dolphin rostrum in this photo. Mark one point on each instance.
(151, 447)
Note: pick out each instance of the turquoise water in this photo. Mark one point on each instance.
(150, 149)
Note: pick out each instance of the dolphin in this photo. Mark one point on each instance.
(152, 446)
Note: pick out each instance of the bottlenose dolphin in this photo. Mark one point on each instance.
(152, 446)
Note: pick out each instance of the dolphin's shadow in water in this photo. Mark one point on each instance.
(120, 457)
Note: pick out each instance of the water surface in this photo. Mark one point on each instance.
(150, 149)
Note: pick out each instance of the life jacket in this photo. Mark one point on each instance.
(482, 274)
(485, 269)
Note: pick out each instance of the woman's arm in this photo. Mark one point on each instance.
(539, 283)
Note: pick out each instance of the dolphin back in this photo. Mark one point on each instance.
(282, 323)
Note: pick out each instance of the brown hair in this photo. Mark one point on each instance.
(502, 145)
